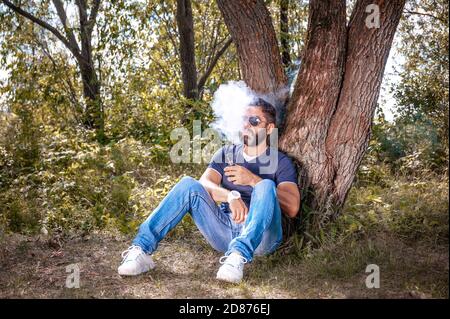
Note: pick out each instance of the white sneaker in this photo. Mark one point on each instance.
(232, 269)
(135, 262)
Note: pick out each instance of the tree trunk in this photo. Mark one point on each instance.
(185, 25)
(330, 112)
(93, 117)
(284, 33)
(250, 26)
(315, 96)
(350, 128)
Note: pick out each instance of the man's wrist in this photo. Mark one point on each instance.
(232, 195)
(256, 179)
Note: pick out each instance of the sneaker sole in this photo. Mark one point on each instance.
(134, 273)
(225, 278)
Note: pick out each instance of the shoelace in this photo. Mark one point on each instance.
(223, 259)
(128, 250)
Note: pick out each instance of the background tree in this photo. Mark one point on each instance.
(421, 93)
(136, 55)
(185, 24)
(193, 83)
(284, 33)
(81, 50)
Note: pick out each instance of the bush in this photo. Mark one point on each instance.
(76, 185)
(413, 210)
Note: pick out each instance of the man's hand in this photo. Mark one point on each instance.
(239, 175)
(239, 210)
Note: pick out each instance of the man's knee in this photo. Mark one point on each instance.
(187, 179)
(190, 183)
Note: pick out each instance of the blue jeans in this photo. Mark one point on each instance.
(260, 234)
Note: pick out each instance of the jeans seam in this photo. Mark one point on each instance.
(176, 215)
(213, 209)
(271, 218)
(168, 223)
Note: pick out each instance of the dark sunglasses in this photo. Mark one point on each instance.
(254, 120)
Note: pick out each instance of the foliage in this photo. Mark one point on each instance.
(422, 92)
(410, 147)
(54, 176)
(75, 186)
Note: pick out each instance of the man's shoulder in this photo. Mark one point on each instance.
(285, 161)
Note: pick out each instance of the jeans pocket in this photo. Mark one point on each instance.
(225, 208)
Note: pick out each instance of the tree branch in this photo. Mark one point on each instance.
(93, 15)
(424, 14)
(284, 32)
(213, 63)
(81, 4)
(63, 17)
(86, 50)
(65, 80)
(169, 29)
(46, 26)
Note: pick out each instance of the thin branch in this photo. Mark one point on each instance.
(222, 72)
(163, 70)
(210, 68)
(93, 15)
(81, 4)
(169, 28)
(424, 14)
(63, 17)
(45, 25)
(213, 39)
(85, 36)
(66, 81)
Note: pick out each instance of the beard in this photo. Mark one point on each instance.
(252, 139)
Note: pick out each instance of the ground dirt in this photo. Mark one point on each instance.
(36, 267)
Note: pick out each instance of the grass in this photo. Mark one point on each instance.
(402, 231)
(91, 201)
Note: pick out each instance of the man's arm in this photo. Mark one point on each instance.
(287, 193)
(211, 181)
(289, 198)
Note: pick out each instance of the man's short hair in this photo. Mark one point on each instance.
(268, 109)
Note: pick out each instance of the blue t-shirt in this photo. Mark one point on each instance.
(272, 164)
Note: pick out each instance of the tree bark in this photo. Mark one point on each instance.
(91, 85)
(250, 26)
(316, 93)
(330, 112)
(185, 25)
(284, 33)
(350, 128)
(93, 115)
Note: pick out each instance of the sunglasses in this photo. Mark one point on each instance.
(254, 120)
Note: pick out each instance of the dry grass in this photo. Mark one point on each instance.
(35, 267)
(402, 226)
